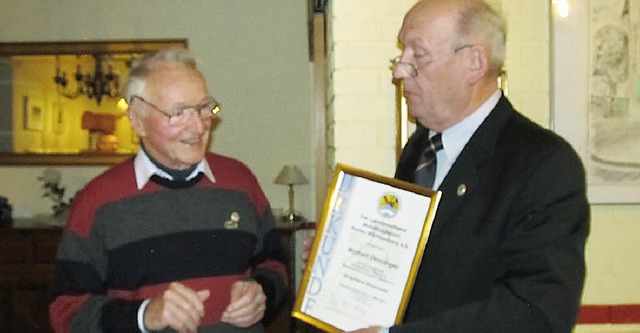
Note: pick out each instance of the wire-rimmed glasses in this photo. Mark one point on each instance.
(180, 115)
(413, 69)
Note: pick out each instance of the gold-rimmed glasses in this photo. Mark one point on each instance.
(413, 69)
(179, 115)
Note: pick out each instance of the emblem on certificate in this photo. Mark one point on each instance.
(366, 253)
(388, 205)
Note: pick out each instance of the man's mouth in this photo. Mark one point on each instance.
(190, 142)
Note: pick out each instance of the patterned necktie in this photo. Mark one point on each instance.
(426, 170)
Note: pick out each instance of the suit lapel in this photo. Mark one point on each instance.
(463, 179)
(460, 182)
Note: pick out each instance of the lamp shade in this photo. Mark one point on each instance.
(290, 175)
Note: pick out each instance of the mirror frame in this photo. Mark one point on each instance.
(73, 48)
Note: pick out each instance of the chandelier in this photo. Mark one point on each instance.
(92, 85)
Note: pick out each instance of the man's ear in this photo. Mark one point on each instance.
(479, 64)
(136, 121)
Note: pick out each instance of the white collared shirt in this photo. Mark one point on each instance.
(144, 169)
(456, 137)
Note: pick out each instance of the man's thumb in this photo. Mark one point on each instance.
(203, 294)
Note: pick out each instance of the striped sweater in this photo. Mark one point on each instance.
(122, 245)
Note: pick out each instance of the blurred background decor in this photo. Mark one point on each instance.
(51, 184)
(291, 175)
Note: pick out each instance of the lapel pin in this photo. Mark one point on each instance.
(232, 223)
(462, 189)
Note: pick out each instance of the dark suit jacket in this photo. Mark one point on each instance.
(507, 255)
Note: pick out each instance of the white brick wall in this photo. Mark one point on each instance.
(612, 251)
(527, 60)
(361, 96)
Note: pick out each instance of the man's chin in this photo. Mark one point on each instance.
(413, 113)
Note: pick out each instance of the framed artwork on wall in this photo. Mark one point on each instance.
(57, 117)
(596, 87)
(33, 113)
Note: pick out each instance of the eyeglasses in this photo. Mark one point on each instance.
(413, 69)
(179, 115)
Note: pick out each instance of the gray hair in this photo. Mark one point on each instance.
(136, 81)
(478, 18)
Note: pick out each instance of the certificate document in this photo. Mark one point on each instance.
(366, 252)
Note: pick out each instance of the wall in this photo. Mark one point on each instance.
(362, 122)
(361, 96)
(253, 54)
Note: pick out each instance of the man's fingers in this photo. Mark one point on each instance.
(178, 307)
(247, 305)
(175, 302)
(306, 249)
(180, 312)
(203, 295)
(188, 299)
(180, 320)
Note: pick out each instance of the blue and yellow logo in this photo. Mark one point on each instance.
(388, 205)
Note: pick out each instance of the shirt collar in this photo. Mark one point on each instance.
(456, 137)
(144, 169)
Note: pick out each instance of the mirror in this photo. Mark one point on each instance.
(59, 101)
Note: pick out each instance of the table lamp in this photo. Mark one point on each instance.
(291, 175)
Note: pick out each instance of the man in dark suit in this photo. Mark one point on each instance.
(506, 250)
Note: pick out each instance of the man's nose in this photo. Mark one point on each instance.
(402, 71)
(196, 123)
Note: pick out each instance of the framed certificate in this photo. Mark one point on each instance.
(366, 252)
